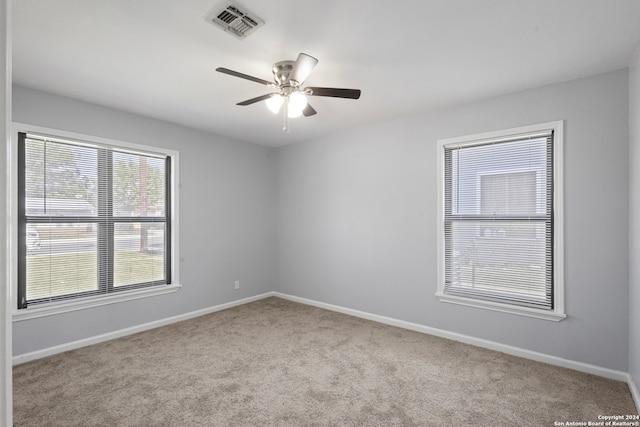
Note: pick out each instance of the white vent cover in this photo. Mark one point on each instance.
(234, 19)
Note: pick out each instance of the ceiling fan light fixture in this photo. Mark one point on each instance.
(274, 103)
(297, 101)
(292, 113)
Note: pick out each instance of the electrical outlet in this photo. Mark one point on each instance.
(237, 284)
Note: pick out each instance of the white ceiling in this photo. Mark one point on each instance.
(157, 57)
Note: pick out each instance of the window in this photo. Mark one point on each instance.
(94, 219)
(500, 221)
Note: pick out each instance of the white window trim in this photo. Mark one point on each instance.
(50, 309)
(558, 312)
(54, 308)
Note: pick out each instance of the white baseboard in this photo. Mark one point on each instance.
(515, 351)
(27, 357)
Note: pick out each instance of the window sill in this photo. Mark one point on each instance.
(84, 303)
(504, 308)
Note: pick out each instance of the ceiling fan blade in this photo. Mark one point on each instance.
(244, 76)
(333, 92)
(256, 99)
(302, 68)
(308, 111)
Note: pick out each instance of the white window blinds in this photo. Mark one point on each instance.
(498, 220)
(93, 220)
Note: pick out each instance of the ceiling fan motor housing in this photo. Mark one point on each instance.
(282, 71)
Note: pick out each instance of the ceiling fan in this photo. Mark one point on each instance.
(288, 77)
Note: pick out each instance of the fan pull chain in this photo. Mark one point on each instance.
(285, 117)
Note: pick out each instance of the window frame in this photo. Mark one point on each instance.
(94, 300)
(557, 313)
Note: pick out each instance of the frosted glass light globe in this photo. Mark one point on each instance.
(274, 103)
(297, 103)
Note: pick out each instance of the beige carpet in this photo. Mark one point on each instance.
(275, 362)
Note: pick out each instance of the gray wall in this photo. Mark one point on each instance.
(356, 219)
(634, 218)
(226, 218)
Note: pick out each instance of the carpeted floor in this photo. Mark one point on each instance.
(276, 362)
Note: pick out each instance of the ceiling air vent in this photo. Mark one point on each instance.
(234, 19)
